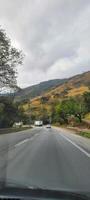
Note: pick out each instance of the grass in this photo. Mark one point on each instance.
(25, 107)
(85, 134)
(78, 91)
(12, 130)
(87, 116)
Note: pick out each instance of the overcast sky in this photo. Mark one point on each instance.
(53, 34)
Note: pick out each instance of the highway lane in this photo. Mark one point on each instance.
(7, 144)
(49, 158)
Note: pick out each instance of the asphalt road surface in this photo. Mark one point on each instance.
(47, 158)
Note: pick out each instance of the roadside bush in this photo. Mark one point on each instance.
(10, 113)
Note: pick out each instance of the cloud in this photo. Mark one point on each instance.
(54, 35)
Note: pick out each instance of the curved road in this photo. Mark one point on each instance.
(49, 158)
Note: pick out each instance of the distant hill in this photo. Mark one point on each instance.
(74, 86)
(57, 88)
(37, 90)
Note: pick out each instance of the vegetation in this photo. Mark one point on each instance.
(73, 94)
(70, 107)
(10, 112)
(62, 111)
(85, 134)
(76, 107)
(87, 101)
(10, 57)
(87, 116)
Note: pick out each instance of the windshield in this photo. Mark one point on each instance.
(45, 94)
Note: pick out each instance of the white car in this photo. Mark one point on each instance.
(48, 126)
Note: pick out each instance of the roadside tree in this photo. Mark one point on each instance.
(10, 58)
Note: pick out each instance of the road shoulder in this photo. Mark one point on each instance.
(77, 139)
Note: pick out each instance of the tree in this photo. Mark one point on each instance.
(8, 112)
(80, 109)
(68, 107)
(11, 112)
(10, 57)
(87, 101)
(61, 112)
(22, 116)
(44, 99)
(76, 107)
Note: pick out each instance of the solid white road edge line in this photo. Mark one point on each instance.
(78, 147)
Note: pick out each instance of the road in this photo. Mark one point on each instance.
(49, 158)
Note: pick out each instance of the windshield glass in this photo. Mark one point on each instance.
(45, 94)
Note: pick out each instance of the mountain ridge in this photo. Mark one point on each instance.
(55, 86)
(38, 89)
(73, 87)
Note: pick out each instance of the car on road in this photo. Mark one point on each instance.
(48, 126)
